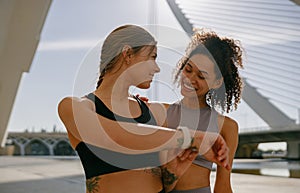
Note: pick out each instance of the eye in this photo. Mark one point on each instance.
(188, 69)
(201, 77)
(154, 56)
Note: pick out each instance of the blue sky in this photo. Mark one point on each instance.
(69, 36)
(71, 31)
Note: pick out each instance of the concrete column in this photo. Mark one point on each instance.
(293, 150)
(22, 149)
(51, 152)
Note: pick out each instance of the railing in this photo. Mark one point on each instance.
(268, 128)
(254, 129)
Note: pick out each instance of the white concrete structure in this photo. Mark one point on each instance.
(270, 34)
(21, 23)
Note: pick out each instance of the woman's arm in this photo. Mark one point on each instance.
(82, 122)
(230, 134)
(86, 125)
(174, 169)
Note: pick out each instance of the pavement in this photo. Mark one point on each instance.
(32, 174)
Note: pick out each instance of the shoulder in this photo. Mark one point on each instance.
(67, 105)
(229, 122)
(228, 126)
(159, 111)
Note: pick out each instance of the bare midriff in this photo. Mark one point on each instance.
(142, 180)
(195, 177)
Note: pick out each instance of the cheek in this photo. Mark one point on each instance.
(144, 67)
(184, 73)
(184, 76)
(141, 68)
(203, 86)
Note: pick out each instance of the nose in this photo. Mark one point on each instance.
(157, 69)
(192, 77)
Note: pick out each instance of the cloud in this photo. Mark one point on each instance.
(67, 45)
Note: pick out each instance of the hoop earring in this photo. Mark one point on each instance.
(209, 95)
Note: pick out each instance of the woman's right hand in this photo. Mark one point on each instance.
(213, 147)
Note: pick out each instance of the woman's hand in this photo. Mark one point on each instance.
(145, 99)
(178, 163)
(214, 148)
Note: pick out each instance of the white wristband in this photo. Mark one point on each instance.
(186, 137)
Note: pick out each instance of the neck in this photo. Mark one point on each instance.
(194, 103)
(114, 88)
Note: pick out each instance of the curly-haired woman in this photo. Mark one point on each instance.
(210, 85)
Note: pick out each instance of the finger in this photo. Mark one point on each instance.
(219, 163)
(223, 156)
(180, 153)
(185, 154)
(224, 160)
(228, 167)
(144, 99)
(192, 156)
(222, 147)
(225, 163)
(194, 149)
(221, 151)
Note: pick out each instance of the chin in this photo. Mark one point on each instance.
(188, 94)
(144, 85)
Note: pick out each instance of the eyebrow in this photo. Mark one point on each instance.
(201, 71)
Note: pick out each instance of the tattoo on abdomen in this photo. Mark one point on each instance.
(168, 177)
(92, 184)
(153, 171)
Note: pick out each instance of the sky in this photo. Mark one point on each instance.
(71, 30)
(66, 60)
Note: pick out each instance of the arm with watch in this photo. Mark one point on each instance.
(179, 161)
(131, 138)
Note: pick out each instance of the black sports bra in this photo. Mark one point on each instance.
(145, 117)
(98, 161)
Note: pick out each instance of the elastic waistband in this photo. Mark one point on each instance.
(198, 190)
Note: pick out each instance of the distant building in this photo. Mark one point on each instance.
(41, 143)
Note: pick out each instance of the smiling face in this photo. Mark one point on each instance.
(198, 77)
(144, 67)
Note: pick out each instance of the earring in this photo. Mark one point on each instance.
(210, 93)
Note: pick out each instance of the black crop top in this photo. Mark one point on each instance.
(98, 161)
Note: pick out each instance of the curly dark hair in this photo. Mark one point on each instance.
(226, 53)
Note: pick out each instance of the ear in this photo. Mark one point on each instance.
(218, 83)
(126, 51)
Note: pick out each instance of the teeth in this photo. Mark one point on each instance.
(188, 86)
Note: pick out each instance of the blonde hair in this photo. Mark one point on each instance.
(127, 35)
